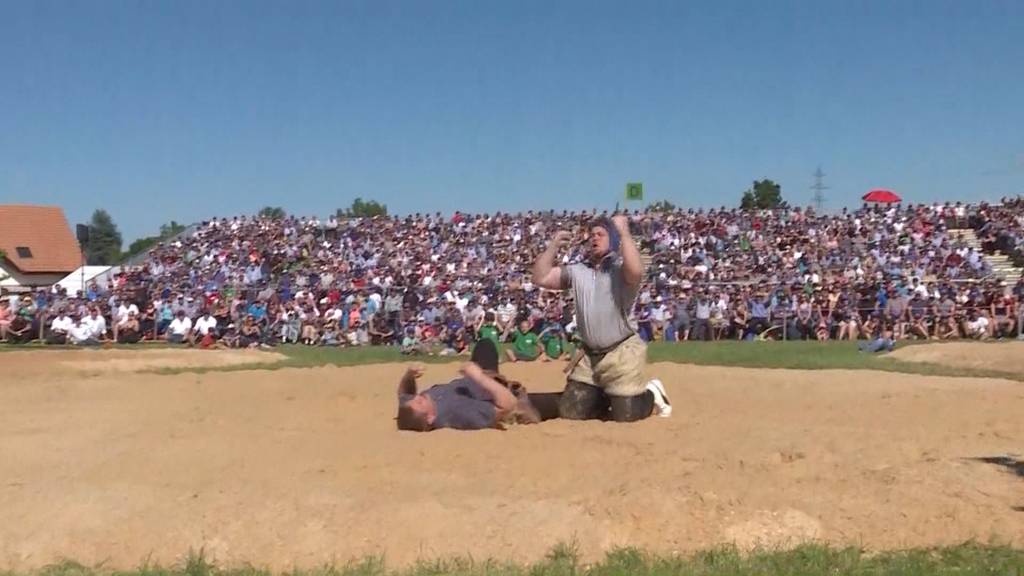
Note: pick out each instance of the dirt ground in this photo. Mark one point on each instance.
(1001, 356)
(299, 467)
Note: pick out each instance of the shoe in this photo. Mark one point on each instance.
(662, 405)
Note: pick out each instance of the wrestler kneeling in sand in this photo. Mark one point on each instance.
(606, 381)
(481, 399)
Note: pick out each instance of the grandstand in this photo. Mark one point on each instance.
(924, 271)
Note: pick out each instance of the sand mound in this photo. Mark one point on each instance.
(301, 467)
(103, 361)
(1000, 356)
(773, 530)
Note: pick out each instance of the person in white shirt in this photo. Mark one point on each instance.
(976, 326)
(60, 328)
(505, 313)
(179, 329)
(659, 314)
(97, 324)
(204, 326)
(81, 334)
(123, 310)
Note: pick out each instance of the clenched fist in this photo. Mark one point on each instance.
(416, 370)
(562, 238)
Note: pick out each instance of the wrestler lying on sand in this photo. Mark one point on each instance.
(481, 398)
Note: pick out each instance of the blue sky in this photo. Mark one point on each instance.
(185, 110)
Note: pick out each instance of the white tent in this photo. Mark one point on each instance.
(73, 282)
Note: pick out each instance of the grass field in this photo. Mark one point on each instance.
(967, 559)
(791, 355)
(799, 355)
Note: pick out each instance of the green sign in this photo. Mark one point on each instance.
(635, 191)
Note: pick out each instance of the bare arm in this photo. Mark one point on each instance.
(504, 401)
(632, 266)
(545, 273)
(408, 383)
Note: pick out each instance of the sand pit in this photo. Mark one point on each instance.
(999, 356)
(298, 467)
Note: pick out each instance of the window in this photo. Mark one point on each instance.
(24, 252)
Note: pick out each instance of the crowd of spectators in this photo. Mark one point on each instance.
(435, 284)
(1001, 228)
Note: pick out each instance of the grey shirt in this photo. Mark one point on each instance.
(604, 302)
(461, 404)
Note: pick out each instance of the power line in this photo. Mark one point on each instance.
(819, 190)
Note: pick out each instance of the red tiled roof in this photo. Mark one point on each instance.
(44, 230)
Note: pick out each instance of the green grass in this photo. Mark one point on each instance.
(792, 355)
(806, 355)
(563, 560)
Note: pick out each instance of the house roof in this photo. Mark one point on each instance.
(45, 232)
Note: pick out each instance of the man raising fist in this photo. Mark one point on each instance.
(608, 380)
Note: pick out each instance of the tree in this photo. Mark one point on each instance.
(104, 245)
(172, 228)
(141, 245)
(3, 255)
(273, 212)
(364, 209)
(763, 195)
(662, 206)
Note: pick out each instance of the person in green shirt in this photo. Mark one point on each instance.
(525, 344)
(489, 330)
(553, 342)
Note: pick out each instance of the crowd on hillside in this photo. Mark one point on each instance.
(435, 284)
(1001, 228)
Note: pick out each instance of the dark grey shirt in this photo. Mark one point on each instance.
(461, 404)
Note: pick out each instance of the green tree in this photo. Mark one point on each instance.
(172, 228)
(662, 206)
(272, 212)
(363, 209)
(141, 245)
(763, 195)
(104, 245)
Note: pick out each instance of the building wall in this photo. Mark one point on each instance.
(15, 281)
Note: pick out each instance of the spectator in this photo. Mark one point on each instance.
(489, 330)
(96, 324)
(83, 333)
(6, 316)
(205, 330)
(552, 339)
(411, 344)
(525, 345)
(19, 331)
(884, 342)
(129, 330)
(60, 327)
(976, 326)
(180, 329)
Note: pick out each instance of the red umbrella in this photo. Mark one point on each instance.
(882, 197)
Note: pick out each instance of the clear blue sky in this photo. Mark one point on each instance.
(185, 110)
